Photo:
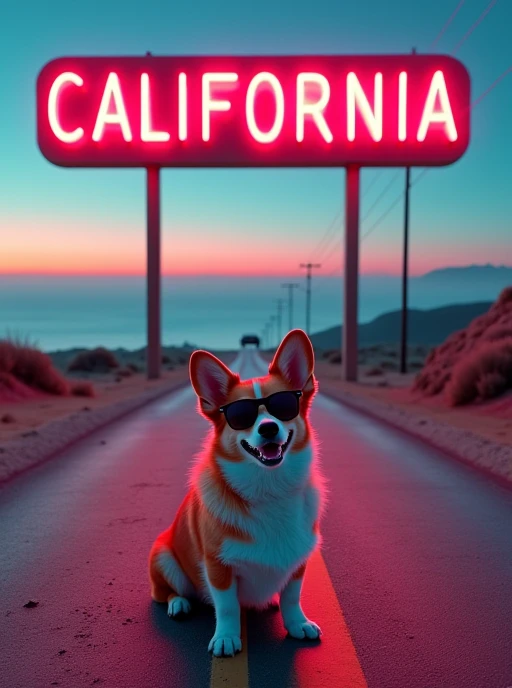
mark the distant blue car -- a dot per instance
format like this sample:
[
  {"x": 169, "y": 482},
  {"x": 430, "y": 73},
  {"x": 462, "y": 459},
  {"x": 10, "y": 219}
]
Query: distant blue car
[{"x": 250, "y": 339}]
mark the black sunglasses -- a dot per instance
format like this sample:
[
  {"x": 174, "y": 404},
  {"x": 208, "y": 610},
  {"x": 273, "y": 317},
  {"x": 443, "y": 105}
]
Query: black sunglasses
[{"x": 242, "y": 414}]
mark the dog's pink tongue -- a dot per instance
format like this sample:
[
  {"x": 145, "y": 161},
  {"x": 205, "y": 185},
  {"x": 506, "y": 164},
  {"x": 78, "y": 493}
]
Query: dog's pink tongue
[{"x": 271, "y": 450}]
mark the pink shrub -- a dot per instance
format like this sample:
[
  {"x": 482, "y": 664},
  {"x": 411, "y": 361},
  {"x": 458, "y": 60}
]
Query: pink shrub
[
  {"x": 23, "y": 366},
  {"x": 32, "y": 367},
  {"x": 82, "y": 389},
  {"x": 99, "y": 360},
  {"x": 473, "y": 363},
  {"x": 484, "y": 374}
]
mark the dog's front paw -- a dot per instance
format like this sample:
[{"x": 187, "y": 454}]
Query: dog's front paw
[
  {"x": 225, "y": 645},
  {"x": 304, "y": 629},
  {"x": 178, "y": 605}
]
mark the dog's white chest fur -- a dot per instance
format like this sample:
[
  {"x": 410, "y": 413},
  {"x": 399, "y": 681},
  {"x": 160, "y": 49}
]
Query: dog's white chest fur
[{"x": 283, "y": 538}]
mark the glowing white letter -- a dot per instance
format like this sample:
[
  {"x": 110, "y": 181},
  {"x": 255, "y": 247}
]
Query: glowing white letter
[
  {"x": 356, "y": 95},
  {"x": 316, "y": 110},
  {"x": 182, "y": 111},
  {"x": 275, "y": 130},
  {"x": 66, "y": 136},
  {"x": 146, "y": 133},
  {"x": 210, "y": 105},
  {"x": 112, "y": 90},
  {"x": 402, "y": 106},
  {"x": 437, "y": 86}
]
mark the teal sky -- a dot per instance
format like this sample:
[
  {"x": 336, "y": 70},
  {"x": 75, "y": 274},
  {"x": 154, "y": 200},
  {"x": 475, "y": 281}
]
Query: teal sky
[{"x": 259, "y": 221}]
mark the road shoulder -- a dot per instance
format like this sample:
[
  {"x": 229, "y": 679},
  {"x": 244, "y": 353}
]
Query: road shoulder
[{"x": 470, "y": 447}]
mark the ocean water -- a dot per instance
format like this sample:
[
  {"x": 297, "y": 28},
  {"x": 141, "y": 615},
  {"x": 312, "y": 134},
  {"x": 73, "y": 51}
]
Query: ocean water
[{"x": 208, "y": 312}]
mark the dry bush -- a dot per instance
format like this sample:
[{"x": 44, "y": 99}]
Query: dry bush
[
  {"x": 82, "y": 389},
  {"x": 505, "y": 298},
  {"x": 7, "y": 356},
  {"x": 99, "y": 360},
  {"x": 373, "y": 372},
  {"x": 491, "y": 385},
  {"x": 7, "y": 381},
  {"x": 335, "y": 357},
  {"x": 484, "y": 374},
  {"x": 31, "y": 367},
  {"x": 133, "y": 367},
  {"x": 498, "y": 331},
  {"x": 469, "y": 364},
  {"x": 125, "y": 372}
]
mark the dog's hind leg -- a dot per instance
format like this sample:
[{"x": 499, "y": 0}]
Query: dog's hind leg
[{"x": 168, "y": 582}]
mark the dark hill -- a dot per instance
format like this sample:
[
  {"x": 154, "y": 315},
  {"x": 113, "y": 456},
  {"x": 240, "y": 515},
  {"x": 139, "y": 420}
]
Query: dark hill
[
  {"x": 499, "y": 275},
  {"x": 427, "y": 327}
]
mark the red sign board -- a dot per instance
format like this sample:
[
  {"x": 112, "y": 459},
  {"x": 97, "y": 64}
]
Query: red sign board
[{"x": 300, "y": 111}]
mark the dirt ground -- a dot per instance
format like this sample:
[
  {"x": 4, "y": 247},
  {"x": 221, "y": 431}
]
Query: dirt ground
[
  {"x": 492, "y": 419},
  {"x": 23, "y": 416}
]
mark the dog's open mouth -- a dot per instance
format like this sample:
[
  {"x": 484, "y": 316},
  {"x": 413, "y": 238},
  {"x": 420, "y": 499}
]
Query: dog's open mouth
[{"x": 271, "y": 453}]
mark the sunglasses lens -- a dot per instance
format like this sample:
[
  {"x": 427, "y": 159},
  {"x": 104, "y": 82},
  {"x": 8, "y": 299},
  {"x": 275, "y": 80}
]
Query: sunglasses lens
[
  {"x": 240, "y": 415},
  {"x": 283, "y": 405}
]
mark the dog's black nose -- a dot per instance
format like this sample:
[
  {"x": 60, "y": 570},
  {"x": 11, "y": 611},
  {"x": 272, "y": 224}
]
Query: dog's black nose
[{"x": 268, "y": 429}]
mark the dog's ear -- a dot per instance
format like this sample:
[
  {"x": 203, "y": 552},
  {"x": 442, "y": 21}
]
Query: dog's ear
[
  {"x": 211, "y": 379},
  {"x": 294, "y": 360}
]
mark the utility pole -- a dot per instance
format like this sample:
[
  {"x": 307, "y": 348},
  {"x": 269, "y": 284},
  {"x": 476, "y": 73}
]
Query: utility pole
[
  {"x": 291, "y": 286},
  {"x": 272, "y": 318},
  {"x": 309, "y": 267},
  {"x": 405, "y": 270},
  {"x": 278, "y": 318}
]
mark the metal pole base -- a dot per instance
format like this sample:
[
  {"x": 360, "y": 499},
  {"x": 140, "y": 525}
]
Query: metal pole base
[
  {"x": 153, "y": 356},
  {"x": 349, "y": 354}
]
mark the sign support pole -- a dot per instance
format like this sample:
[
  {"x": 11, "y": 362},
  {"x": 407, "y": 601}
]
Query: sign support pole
[
  {"x": 349, "y": 356},
  {"x": 153, "y": 356},
  {"x": 405, "y": 275}
]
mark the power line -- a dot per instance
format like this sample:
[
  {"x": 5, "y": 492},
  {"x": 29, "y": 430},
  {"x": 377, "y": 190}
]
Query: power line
[
  {"x": 382, "y": 217},
  {"x": 376, "y": 176},
  {"x": 309, "y": 267},
  {"x": 383, "y": 192},
  {"x": 290, "y": 286},
  {"x": 473, "y": 27},
  {"x": 429, "y": 169},
  {"x": 329, "y": 230},
  {"x": 491, "y": 87},
  {"x": 476, "y": 102},
  {"x": 379, "y": 172},
  {"x": 279, "y": 303},
  {"x": 325, "y": 255},
  {"x": 459, "y": 44},
  {"x": 425, "y": 171},
  {"x": 447, "y": 23}
]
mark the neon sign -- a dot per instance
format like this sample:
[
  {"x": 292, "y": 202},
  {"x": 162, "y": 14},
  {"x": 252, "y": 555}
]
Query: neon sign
[{"x": 317, "y": 111}]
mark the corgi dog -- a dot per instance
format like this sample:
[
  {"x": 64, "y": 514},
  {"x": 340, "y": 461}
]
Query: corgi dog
[{"x": 250, "y": 519}]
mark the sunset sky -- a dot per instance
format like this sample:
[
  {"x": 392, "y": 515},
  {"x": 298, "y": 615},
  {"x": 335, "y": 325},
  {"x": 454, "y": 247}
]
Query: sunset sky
[{"x": 258, "y": 222}]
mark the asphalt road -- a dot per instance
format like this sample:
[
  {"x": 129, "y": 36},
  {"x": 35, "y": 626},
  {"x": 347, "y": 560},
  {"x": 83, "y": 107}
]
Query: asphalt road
[{"x": 418, "y": 549}]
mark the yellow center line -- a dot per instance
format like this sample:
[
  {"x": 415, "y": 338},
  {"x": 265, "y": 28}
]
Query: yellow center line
[
  {"x": 331, "y": 662},
  {"x": 232, "y": 672}
]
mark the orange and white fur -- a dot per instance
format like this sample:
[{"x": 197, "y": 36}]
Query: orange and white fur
[{"x": 245, "y": 531}]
